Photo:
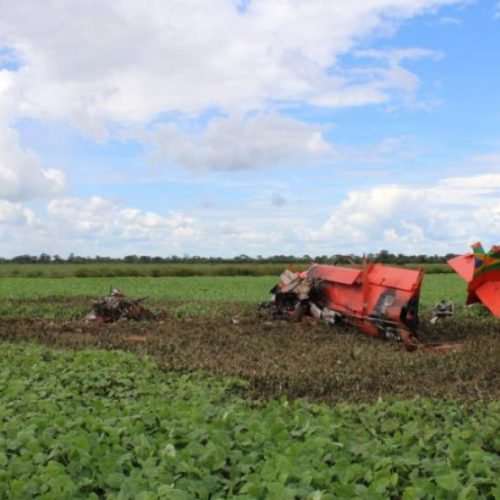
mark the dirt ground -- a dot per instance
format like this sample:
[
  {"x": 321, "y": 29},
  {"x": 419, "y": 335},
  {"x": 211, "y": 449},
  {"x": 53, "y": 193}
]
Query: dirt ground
[{"x": 322, "y": 363}]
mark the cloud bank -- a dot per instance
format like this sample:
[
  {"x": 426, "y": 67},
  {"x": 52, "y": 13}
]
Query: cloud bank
[
  {"x": 436, "y": 219},
  {"x": 218, "y": 86},
  {"x": 127, "y": 61}
]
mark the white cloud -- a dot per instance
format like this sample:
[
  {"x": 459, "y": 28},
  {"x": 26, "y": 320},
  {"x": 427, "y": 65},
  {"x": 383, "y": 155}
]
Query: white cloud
[
  {"x": 236, "y": 143},
  {"x": 176, "y": 227},
  {"x": 375, "y": 84},
  {"x": 94, "y": 216},
  {"x": 15, "y": 220},
  {"x": 127, "y": 61},
  {"x": 107, "y": 220},
  {"x": 262, "y": 140},
  {"x": 448, "y": 20},
  {"x": 113, "y": 65},
  {"x": 7, "y": 96},
  {"x": 413, "y": 219},
  {"x": 401, "y": 218},
  {"x": 15, "y": 214},
  {"x": 21, "y": 175}
]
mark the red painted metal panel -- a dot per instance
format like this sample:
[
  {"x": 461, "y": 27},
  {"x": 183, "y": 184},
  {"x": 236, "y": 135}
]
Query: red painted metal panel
[
  {"x": 336, "y": 274},
  {"x": 394, "y": 277},
  {"x": 371, "y": 296},
  {"x": 343, "y": 298}
]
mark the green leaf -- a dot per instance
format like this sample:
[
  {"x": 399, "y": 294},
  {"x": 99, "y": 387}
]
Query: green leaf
[
  {"x": 449, "y": 482},
  {"x": 166, "y": 492},
  {"x": 469, "y": 492},
  {"x": 380, "y": 485},
  {"x": 252, "y": 489},
  {"x": 115, "y": 480},
  {"x": 413, "y": 493}
]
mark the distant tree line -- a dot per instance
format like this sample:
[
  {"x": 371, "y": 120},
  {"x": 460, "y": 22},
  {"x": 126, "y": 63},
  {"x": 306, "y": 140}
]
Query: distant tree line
[{"x": 384, "y": 256}]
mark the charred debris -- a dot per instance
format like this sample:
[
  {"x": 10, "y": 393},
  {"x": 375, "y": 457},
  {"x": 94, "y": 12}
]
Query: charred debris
[{"x": 116, "y": 307}]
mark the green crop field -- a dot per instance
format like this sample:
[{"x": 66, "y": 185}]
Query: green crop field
[
  {"x": 28, "y": 296},
  {"x": 134, "y": 270},
  {"x": 215, "y": 401},
  {"x": 106, "y": 424}
]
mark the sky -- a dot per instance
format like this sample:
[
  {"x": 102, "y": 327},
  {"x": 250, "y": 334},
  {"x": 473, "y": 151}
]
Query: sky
[{"x": 257, "y": 127}]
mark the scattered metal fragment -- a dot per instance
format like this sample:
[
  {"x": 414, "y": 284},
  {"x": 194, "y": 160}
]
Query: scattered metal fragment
[
  {"x": 443, "y": 309},
  {"x": 116, "y": 307}
]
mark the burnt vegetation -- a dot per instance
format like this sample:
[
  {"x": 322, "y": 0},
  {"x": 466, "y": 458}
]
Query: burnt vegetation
[{"x": 322, "y": 363}]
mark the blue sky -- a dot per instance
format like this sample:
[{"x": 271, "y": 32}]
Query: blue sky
[{"x": 263, "y": 127}]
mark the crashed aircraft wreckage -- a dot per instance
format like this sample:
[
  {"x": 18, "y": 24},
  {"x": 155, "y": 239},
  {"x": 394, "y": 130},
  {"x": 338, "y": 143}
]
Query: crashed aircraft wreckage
[
  {"x": 116, "y": 306},
  {"x": 481, "y": 270},
  {"x": 381, "y": 301}
]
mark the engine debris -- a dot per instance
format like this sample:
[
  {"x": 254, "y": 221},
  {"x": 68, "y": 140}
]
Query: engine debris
[
  {"x": 116, "y": 306},
  {"x": 443, "y": 309}
]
